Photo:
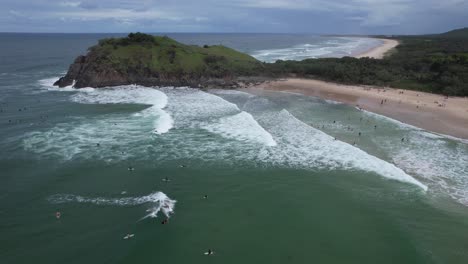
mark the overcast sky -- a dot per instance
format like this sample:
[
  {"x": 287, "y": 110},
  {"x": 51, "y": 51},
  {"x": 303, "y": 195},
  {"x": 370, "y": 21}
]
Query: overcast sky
[{"x": 289, "y": 16}]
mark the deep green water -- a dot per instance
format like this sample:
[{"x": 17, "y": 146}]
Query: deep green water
[{"x": 280, "y": 188}]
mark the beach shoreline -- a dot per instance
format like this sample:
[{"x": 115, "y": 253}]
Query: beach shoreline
[
  {"x": 380, "y": 51},
  {"x": 432, "y": 112}
]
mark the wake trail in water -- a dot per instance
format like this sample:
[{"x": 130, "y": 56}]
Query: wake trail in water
[{"x": 158, "y": 201}]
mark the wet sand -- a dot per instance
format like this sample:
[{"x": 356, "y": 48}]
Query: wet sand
[{"x": 432, "y": 112}]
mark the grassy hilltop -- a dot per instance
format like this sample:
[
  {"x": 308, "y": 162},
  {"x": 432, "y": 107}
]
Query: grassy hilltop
[
  {"x": 163, "y": 54},
  {"x": 154, "y": 60}
]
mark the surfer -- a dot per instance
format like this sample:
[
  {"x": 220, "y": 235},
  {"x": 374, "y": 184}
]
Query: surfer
[
  {"x": 130, "y": 168},
  {"x": 359, "y": 134},
  {"x": 209, "y": 252},
  {"x": 165, "y": 221},
  {"x": 58, "y": 215},
  {"x": 205, "y": 196},
  {"x": 402, "y": 139},
  {"x": 166, "y": 179}
]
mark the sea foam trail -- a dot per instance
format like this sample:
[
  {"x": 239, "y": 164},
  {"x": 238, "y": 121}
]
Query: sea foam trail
[
  {"x": 132, "y": 94},
  {"x": 297, "y": 144},
  {"x": 127, "y": 94},
  {"x": 303, "y": 144},
  {"x": 159, "y": 202},
  {"x": 216, "y": 115},
  {"x": 439, "y": 161},
  {"x": 241, "y": 127},
  {"x": 111, "y": 136}
]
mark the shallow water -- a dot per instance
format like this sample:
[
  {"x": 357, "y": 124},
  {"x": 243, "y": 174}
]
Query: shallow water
[{"x": 288, "y": 178}]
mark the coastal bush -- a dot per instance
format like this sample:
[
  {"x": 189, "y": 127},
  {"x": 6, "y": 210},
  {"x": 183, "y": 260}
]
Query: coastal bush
[{"x": 430, "y": 64}]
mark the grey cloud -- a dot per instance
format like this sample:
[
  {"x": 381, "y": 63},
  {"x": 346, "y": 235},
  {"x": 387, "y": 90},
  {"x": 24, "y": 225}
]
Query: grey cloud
[{"x": 332, "y": 16}]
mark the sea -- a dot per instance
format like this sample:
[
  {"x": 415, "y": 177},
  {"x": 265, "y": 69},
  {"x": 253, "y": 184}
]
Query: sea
[{"x": 136, "y": 174}]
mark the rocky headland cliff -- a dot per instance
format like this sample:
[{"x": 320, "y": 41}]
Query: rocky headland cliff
[{"x": 160, "y": 61}]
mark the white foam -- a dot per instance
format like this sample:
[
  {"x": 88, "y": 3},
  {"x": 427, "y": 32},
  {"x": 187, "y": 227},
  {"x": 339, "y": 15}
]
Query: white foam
[
  {"x": 332, "y": 102},
  {"x": 192, "y": 106},
  {"x": 414, "y": 128},
  {"x": 303, "y": 145},
  {"x": 241, "y": 127},
  {"x": 337, "y": 47},
  {"x": 132, "y": 94},
  {"x": 260, "y": 124},
  {"x": 48, "y": 84},
  {"x": 440, "y": 162},
  {"x": 109, "y": 137},
  {"x": 391, "y": 120},
  {"x": 159, "y": 202}
]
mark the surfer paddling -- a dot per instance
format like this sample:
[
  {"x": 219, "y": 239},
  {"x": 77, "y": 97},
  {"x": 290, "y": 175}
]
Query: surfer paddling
[{"x": 209, "y": 252}]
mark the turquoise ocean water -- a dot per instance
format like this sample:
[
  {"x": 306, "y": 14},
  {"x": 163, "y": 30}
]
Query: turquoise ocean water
[{"x": 258, "y": 177}]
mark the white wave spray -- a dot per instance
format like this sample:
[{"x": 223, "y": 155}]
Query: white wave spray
[{"x": 158, "y": 201}]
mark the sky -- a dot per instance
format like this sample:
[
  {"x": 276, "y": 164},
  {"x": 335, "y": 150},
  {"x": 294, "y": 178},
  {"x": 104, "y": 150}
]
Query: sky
[{"x": 243, "y": 16}]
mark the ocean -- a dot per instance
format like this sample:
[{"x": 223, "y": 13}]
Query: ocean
[{"x": 255, "y": 176}]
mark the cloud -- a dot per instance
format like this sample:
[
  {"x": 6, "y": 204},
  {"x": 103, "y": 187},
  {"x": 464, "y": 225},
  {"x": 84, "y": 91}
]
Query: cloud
[
  {"x": 70, "y": 4},
  {"x": 325, "y": 16}
]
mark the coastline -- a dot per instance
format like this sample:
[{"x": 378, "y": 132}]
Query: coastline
[
  {"x": 379, "y": 51},
  {"x": 432, "y": 112}
]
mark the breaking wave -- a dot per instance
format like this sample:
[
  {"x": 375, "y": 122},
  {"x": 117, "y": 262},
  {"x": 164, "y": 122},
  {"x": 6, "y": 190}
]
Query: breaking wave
[
  {"x": 158, "y": 201},
  {"x": 337, "y": 47}
]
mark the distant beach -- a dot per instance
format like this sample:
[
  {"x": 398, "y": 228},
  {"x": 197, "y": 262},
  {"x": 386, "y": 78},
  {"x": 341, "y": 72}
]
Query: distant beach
[
  {"x": 379, "y": 51},
  {"x": 437, "y": 113}
]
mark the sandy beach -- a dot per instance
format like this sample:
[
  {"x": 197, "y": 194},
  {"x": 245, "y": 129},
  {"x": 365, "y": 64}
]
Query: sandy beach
[
  {"x": 432, "y": 112},
  {"x": 437, "y": 113},
  {"x": 379, "y": 51}
]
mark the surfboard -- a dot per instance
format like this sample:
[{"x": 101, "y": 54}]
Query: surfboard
[{"x": 129, "y": 236}]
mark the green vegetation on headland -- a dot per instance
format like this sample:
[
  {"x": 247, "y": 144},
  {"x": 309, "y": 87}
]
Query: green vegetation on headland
[
  {"x": 430, "y": 63},
  {"x": 154, "y": 60}
]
